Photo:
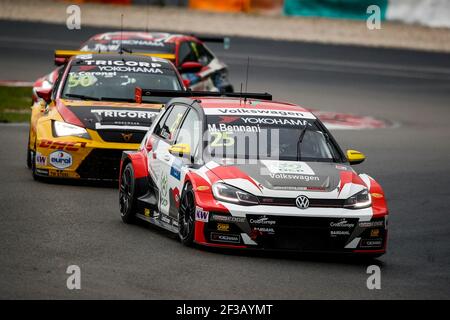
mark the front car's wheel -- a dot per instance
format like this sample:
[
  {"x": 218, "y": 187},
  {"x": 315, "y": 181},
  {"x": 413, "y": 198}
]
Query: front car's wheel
[
  {"x": 186, "y": 216},
  {"x": 127, "y": 197},
  {"x": 29, "y": 164}
]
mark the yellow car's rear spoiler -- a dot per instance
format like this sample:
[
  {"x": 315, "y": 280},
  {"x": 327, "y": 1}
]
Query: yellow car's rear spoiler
[{"x": 61, "y": 56}]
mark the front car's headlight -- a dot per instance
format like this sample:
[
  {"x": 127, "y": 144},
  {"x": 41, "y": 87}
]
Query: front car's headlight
[
  {"x": 227, "y": 193},
  {"x": 359, "y": 200},
  {"x": 63, "y": 129}
]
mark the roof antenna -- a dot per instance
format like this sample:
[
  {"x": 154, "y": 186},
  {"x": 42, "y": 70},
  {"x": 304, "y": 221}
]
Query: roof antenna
[
  {"x": 121, "y": 34},
  {"x": 246, "y": 80},
  {"x": 240, "y": 95}
]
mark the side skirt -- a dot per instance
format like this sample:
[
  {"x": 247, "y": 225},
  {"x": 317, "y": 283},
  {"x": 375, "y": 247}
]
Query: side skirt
[{"x": 162, "y": 221}]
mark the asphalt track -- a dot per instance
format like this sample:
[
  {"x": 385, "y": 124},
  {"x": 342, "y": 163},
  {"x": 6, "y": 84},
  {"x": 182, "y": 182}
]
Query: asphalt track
[{"x": 46, "y": 227}]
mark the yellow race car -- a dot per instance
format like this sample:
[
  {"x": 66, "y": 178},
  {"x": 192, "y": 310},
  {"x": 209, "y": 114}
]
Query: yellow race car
[{"x": 79, "y": 128}]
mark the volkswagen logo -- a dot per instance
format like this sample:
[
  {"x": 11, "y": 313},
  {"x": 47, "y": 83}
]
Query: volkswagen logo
[{"x": 302, "y": 202}]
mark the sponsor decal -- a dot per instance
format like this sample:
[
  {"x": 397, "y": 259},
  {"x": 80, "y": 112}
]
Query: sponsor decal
[
  {"x": 229, "y": 219},
  {"x": 175, "y": 172},
  {"x": 147, "y": 212},
  {"x": 371, "y": 243},
  {"x": 125, "y": 66},
  {"x": 339, "y": 167},
  {"x": 129, "y": 63},
  {"x": 343, "y": 223},
  {"x": 60, "y": 159},
  {"x": 164, "y": 190},
  {"x": 135, "y": 42},
  {"x": 287, "y": 167},
  {"x": 85, "y": 56},
  {"x": 176, "y": 196},
  {"x": 370, "y": 224},
  {"x": 42, "y": 172},
  {"x": 374, "y": 233},
  {"x": 201, "y": 215},
  {"x": 231, "y": 238},
  {"x": 222, "y": 127},
  {"x": 129, "y": 69},
  {"x": 165, "y": 219},
  {"x": 263, "y": 220},
  {"x": 133, "y": 114},
  {"x": 223, "y": 227},
  {"x": 258, "y": 112},
  {"x": 337, "y": 233},
  {"x": 265, "y": 230},
  {"x": 62, "y": 145},
  {"x": 285, "y": 176},
  {"x": 41, "y": 160},
  {"x": 275, "y": 121},
  {"x": 58, "y": 174}
]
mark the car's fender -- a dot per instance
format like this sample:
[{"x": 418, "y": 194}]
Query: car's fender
[{"x": 379, "y": 205}]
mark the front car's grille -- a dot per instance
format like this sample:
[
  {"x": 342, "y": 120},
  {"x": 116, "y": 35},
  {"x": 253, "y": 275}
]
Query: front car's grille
[
  {"x": 122, "y": 136},
  {"x": 102, "y": 164},
  {"x": 302, "y": 233},
  {"x": 290, "y": 202}
]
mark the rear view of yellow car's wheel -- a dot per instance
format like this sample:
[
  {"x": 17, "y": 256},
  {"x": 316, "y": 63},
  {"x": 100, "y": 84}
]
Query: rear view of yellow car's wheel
[{"x": 28, "y": 154}]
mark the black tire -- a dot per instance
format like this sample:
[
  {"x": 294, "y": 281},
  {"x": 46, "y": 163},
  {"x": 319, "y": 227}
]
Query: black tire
[
  {"x": 186, "y": 216},
  {"x": 127, "y": 198},
  {"x": 33, "y": 165},
  {"x": 28, "y": 154}
]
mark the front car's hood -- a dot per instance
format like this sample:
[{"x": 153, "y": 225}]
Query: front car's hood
[
  {"x": 290, "y": 178},
  {"x": 104, "y": 115}
]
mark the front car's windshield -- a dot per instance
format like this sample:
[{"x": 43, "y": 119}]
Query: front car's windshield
[
  {"x": 117, "y": 79},
  {"x": 288, "y": 136}
]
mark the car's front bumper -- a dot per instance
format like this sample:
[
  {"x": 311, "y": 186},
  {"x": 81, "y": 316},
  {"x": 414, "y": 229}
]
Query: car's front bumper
[{"x": 295, "y": 233}]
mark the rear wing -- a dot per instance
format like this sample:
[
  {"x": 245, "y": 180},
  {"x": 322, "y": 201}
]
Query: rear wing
[
  {"x": 62, "y": 56},
  {"x": 140, "y": 93}
]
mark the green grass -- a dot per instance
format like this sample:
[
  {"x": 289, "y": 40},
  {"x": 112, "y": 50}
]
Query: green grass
[{"x": 15, "y": 103}]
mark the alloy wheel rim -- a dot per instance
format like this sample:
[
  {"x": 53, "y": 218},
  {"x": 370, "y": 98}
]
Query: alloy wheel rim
[
  {"x": 125, "y": 192},
  {"x": 187, "y": 209}
]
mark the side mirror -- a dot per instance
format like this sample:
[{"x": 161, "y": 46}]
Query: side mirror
[
  {"x": 182, "y": 150},
  {"x": 186, "y": 83},
  {"x": 45, "y": 94},
  {"x": 149, "y": 145},
  {"x": 191, "y": 67},
  {"x": 355, "y": 157},
  {"x": 60, "y": 61}
]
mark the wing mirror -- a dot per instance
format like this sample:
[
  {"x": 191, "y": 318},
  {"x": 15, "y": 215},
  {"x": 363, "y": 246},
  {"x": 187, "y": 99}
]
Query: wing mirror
[
  {"x": 60, "y": 61},
  {"x": 149, "y": 145},
  {"x": 45, "y": 94},
  {"x": 186, "y": 82},
  {"x": 182, "y": 150},
  {"x": 355, "y": 157},
  {"x": 191, "y": 67}
]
